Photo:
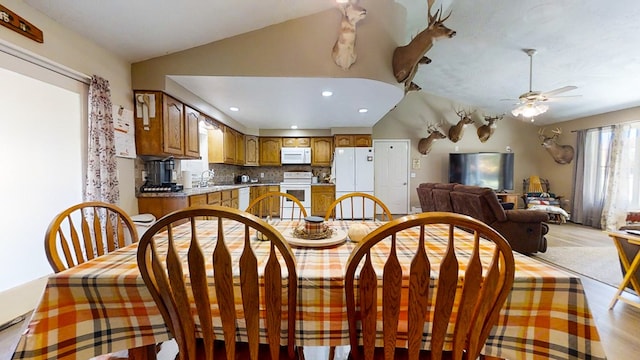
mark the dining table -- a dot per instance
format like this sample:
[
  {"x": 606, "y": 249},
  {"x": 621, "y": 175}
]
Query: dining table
[{"x": 103, "y": 305}]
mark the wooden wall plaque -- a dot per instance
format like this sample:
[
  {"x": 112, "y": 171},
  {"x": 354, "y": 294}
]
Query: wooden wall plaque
[{"x": 18, "y": 24}]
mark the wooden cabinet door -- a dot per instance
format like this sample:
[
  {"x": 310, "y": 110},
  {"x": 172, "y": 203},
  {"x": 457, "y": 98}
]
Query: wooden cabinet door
[
  {"x": 270, "y": 150},
  {"x": 362, "y": 140},
  {"x": 214, "y": 198},
  {"x": 296, "y": 142},
  {"x": 229, "y": 145},
  {"x": 275, "y": 201},
  {"x": 161, "y": 206},
  {"x": 321, "y": 151},
  {"x": 215, "y": 142},
  {"x": 240, "y": 149},
  {"x": 226, "y": 198},
  {"x": 173, "y": 125},
  {"x": 148, "y": 132},
  {"x": 234, "y": 198},
  {"x": 321, "y": 198},
  {"x": 252, "y": 150},
  {"x": 191, "y": 132},
  {"x": 343, "y": 140}
]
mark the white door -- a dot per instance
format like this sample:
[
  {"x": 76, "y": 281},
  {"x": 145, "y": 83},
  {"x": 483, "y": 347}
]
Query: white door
[{"x": 392, "y": 174}]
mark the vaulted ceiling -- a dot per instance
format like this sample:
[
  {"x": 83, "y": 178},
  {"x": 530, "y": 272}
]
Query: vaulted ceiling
[{"x": 589, "y": 44}]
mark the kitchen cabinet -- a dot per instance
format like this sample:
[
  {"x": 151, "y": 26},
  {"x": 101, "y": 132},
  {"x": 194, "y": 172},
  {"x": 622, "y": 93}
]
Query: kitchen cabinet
[
  {"x": 230, "y": 198},
  {"x": 214, "y": 198},
  {"x": 192, "y": 132},
  {"x": 270, "y": 151},
  {"x": 322, "y": 196},
  {"x": 230, "y": 149},
  {"x": 296, "y": 142},
  {"x": 321, "y": 151},
  {"x": 252, "y": 150},
  {"x": 358, "y": 140},
  {"x": 223, "y": 145},
  {"x": 257, "y": 191},
  {"x": 160, "y": 126},
  {"x": 240, "y": 148},
  {"x": 161, "y": 206}
]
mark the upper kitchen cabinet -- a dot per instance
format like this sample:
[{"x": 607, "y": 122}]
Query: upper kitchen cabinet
[
  {"x": 321, "y": 151},
  {"x": 230, "y": 146},
  {"x": 161, "y": 128},
  {"x": 240, "y": 149},
  {"x": 359, "y": 140},
  {"x": 252, "y": 150},
  {"x": 224, "y": 147},
  {"x": 296, "y": 142},
  {"x": 191, "y": 132},
  {"x": 270, "y": 151}
]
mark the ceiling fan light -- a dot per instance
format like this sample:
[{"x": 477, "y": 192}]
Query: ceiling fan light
[{"x": 530, "y": 109}]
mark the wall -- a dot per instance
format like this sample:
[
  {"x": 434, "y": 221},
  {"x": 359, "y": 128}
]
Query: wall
[
  {"x": 72, "y": 51},
  {"x": 410, "y": 118}
]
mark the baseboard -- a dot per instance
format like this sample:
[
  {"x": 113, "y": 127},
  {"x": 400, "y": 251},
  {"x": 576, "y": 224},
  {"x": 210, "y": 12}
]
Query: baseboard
[{"x": 21, "y": 299}]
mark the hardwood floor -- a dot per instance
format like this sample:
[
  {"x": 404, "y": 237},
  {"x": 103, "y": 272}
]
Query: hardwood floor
[{"x": 618, "y": 328}]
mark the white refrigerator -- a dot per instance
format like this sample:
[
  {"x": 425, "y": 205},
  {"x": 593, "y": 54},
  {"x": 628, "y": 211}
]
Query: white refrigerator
[{"x": 353, "y": 171}]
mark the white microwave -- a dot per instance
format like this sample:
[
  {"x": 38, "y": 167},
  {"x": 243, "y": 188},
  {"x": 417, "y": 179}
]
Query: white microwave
[{"x": 298, "y": 155}]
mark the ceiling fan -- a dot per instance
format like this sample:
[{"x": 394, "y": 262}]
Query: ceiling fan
[{"x": 531, "y": 103}]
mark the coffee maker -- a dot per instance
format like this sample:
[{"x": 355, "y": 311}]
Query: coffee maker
[{"x": 159, "y": 176}]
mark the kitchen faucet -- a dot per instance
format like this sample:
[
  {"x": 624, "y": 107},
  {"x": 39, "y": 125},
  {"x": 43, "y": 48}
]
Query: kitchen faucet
[{"x": 205, "y": 182}]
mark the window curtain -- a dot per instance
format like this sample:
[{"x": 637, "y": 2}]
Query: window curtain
[
  {"x": 102, "y": 180},
  {"x": 624, "y": 176},
  {"x": 591, "y": 175}
]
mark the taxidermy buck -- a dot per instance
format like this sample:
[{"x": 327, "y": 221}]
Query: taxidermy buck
[
  {"x": 485, "y": 131},
  {"x": 406, "y": 58},
  {"x": 457, "y": 130},
  {"x": 562, "y": 154},
  {"x": 424, "y": 146},
  {"x": 344, "y": 50}
]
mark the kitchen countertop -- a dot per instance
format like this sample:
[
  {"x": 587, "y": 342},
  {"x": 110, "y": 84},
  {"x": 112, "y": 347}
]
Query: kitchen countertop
[{"x": 201, "y": 190}]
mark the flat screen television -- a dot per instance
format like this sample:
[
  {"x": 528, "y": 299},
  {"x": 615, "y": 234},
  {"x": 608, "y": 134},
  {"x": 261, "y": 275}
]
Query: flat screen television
[{"x": 486, "y": 169}]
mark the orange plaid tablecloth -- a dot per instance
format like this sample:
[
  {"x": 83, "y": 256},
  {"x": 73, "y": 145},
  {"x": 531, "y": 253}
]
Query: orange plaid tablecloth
[{"x": 103, "y": 306}]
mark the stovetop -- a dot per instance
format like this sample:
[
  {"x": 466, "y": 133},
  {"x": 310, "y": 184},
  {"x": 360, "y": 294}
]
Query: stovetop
[
  {"x": 172, "y": 187},
  {"x": 297, "y": 177}
]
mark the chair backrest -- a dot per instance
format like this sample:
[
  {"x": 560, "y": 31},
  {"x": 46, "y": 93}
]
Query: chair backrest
[
  {"x": 273, "y": 204},
  {"x": 85, "y": 231},
  {"x": 358, "y": 206},
  {"x": 476, "y": 301},
  {"x": 233, "y": 249}
]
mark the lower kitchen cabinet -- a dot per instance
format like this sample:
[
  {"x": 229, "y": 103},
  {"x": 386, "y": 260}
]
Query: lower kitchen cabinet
[
  {"x": 161, "y": 206},
  {"x": 321, "y": 198}
]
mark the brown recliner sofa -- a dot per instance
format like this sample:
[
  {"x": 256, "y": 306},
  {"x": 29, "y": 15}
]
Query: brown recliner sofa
[{"x": 523, "y": 229}]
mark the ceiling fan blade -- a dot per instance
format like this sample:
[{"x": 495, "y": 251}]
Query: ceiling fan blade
[
  {"x": 559, "y": 91},
  {"x": 563, "y": 97}
]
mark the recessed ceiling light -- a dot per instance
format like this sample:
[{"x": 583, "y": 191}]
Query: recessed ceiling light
[
  {"x": 327, "y": 93},
  {"x": 363, "y": 110},
  {"x": 233, "y": 108},
  {"x": 294, "y": 126}
]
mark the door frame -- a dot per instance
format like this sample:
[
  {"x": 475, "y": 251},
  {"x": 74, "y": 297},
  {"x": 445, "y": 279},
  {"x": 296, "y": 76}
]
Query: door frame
[{"x": 407, "y": 159}]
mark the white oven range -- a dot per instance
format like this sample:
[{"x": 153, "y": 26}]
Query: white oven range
[{"x": 297, "y": 184}]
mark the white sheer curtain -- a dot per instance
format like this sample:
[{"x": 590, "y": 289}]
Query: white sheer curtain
[
  {"x": 622, "y": 191},
  {"x": 607, "y": 175}
]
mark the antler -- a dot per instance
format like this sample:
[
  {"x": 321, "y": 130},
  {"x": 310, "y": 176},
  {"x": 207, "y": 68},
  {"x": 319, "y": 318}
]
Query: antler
[{"x": 557, "y": 131}]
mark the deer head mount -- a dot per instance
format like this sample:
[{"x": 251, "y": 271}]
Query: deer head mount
[
  {"x": 562, "y": 154},
  {"x": 406, "y": 58},
  {"x": 457, "y": 130},
  {"x": 344, "y": 50},
  {"x": 485, "y": 131},
  {"x": 424, "y": 146}
]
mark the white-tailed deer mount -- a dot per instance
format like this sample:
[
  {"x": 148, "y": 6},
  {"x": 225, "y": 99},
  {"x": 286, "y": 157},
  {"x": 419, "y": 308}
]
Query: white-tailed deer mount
[
  {"x": 562, "y": 154},
  {"x": 485, "y": 131},
  {"x": 424, "y": 146},
  {"x": 344, "y": 50},
  {"x": 406, "y": 58},
  {"x": 457, "y": 130}
]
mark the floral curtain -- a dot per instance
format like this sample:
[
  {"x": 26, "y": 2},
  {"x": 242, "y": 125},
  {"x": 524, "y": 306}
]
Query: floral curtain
[{"x": 102, "y": 180}]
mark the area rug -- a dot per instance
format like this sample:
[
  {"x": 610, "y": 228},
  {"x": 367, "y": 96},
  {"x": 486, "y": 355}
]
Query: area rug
[{"x": 598, "y": 263}]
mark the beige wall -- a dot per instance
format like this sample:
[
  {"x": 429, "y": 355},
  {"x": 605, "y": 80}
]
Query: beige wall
[{"x": 71, "y": 50}]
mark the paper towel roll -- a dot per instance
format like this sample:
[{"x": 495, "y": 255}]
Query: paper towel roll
[{"x": 187, "y": 181}]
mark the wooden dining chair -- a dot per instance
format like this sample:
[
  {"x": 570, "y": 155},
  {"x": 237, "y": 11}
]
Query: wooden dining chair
[
  {"x": 464, "y": 304},
  {"x": 274, "y": 204},
  {"x": 228, "y": 283},
  {"x": 85, "y": 231},
  {"x": 356, "y": 206}
]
